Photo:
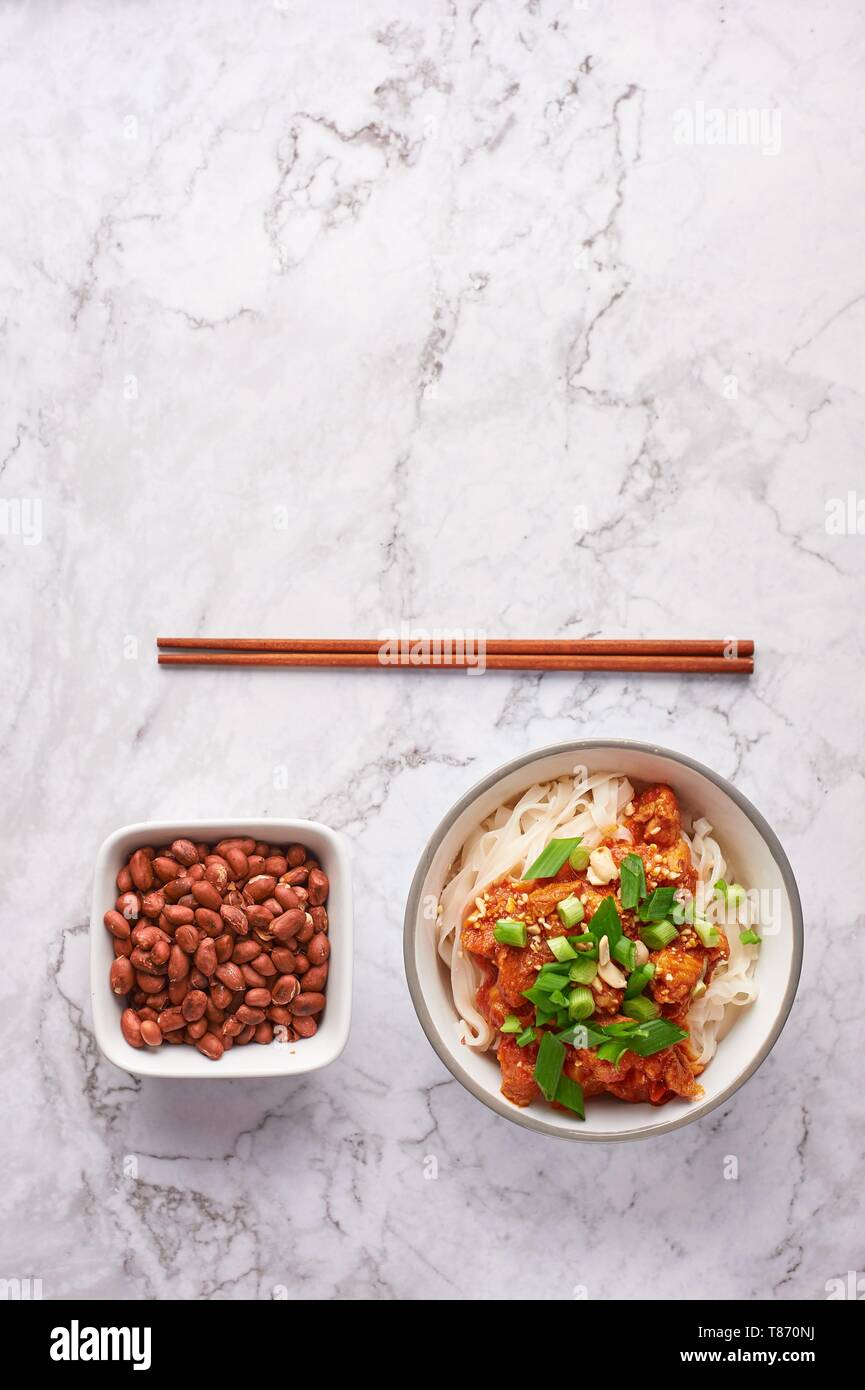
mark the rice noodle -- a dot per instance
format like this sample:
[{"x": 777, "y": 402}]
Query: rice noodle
[{"x": 590, "y": 806}]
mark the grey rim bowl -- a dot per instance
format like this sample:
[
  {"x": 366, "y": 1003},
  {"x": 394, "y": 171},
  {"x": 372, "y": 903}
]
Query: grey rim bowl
[{"x": 527, "y": 1117}]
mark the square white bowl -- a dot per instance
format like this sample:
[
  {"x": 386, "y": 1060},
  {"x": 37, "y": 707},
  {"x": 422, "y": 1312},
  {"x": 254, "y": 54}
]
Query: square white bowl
[{"x": 254, "y": 1060}]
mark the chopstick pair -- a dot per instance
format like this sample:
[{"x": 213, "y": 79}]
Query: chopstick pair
[{"x": 405, "y": 653}]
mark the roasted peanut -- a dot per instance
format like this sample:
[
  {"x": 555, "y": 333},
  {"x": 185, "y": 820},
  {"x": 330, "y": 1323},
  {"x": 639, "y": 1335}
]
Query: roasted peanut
[
  {"x": 318, "y": 887},
  {"x": 131, "y": 1027},
  {"x": 184, "y": 852},
  {"x": 151, "y": 1033},
  {"x": 283, "y": 959},
  {"x": 217, "y": 947},
  {"x": 288, "y": 925},
  {"x": 170, "y": 1020},
  {"x": 205, "y": 956},
  {"x": 206, "y": 895},
  {"x": 230, "y": 976},
  {"x": 122, "y": 975},
  {"x": 245, "y": 951},
  {"x": 318, "y": 949},
  {"x": 285, "y": 989},
  {"x": 248, "y": 1015},
  {"x": 117, "y": 924},
  {"x": 263, "y": 964},
  {"x": 314, "y": 979},
  {"x": 221, "y": 995},
  {"x": 187, "y": 938},
  {"x": 259, "y": 888},
  {"x": 178, "y": 963},
  {"x": 307, "y": 1003},
  {"x": 128, "y": 905},
  {"x": 210, "y": 1045},
  {"x": 194, "y": 1005}
]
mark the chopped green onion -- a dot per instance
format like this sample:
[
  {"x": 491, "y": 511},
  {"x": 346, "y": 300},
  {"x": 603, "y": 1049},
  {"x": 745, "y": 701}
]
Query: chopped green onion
[
  {"x": 657, "y": 936},
  {"x": 551, "y": 977},
  {"x": 579, "y": 858},
  {"x": 732, "y": 893},
  {"x": 640, "y": 1008},
  {"x": 571, "y": 911},
  {"x": 511, "y": 1025},
  {"x": 706, "y": 932},
  {"x": 548, "y": 1067},
  {"x": 633, "y": 881},
  {"x": 658, "y": 906},
  {"x": 551, "y": 859},
  {"x": 606, "y": 922},
  {"x": 558, "y": 999},
  {"x": 750, "y": 938},
  {"x": 537, "y": 996},
  {"x": 570, "y": 1094},
  {"x": 510, "y": 933},
  {"x": 561, "y": 948},
  {"x": 581, "y": 1003},
  {"x": 581, "y": 1035},
  {"x": 612, "y": 1052},
  {"x": 681, "y": 913},
  {"x": 582, "y": 972},
  {"x": 525, "y": 1038},
  {"x": 586, "y": 945},
  {"x": 625, "y": 952},
  {"x": 654, "y": 1036},
  {"x": 638, "y": 980}
]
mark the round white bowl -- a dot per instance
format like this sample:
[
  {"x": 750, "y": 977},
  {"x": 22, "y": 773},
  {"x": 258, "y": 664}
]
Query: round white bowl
[
  {"x": 274, "y": 1059},
  {"x": 748, "y": 843}
]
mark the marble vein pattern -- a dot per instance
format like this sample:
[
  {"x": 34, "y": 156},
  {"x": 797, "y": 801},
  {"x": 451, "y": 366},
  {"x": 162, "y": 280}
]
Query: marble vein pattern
[{"x": 315, "y": 319}]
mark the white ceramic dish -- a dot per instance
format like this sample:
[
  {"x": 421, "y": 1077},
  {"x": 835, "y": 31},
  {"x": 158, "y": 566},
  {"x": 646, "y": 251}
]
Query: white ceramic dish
[
  {"x": 274, "y": 1059},
  {"x": 749, "y": 844}
]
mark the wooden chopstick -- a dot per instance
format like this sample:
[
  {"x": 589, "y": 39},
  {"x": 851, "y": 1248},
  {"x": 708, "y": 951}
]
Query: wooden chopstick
[
  {"x": 494, "y": 646},
  {"x": 511, "y": 661}
]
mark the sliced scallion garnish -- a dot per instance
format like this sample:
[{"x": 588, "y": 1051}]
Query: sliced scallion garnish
[
  {"x": 561, "y": 947},
  {"x": 583, "y": 971},
  {"x": 579, "y": 858},
  {"x": 750, "y": 938},
  {"x": 509, "y": 932},
  {"x": 707, "y": 933},
  {"x": 625, "y": 952},
  {"x": 551, "y": 859},
  {"x": 633, "y": 881},
  {"x": 658, "y": 935},
  {"x": 525, "y": 1038},
  {"x": 511, "y": 1025},
  {"x": 645, "y": 1039},
  {"x": 640, "y": 1008},
  {"x": 638, "y": 980},
  {"x": 549, "y": 1063},
  {"x": 606, "y": 922},
  {"x": 571, "y": 911},
  {"x": 657, "y": 907},
  {"x": 581, "y": 1003},
  {"x": 612, "y": 1052},
  {"x": 570, "y": 1094}
]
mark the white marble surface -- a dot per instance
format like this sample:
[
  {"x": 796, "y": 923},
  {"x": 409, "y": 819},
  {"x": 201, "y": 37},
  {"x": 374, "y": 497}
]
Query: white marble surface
[{"x": 316, "y": 318}]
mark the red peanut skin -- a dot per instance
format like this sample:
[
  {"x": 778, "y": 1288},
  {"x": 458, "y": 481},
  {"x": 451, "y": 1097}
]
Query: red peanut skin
[{"x": 219, "y": 947}]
